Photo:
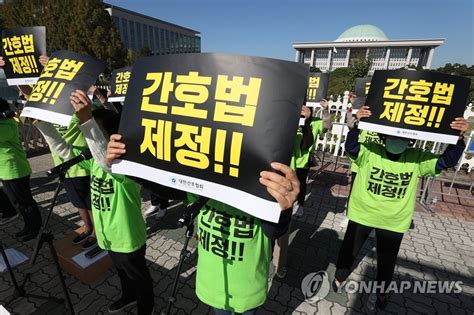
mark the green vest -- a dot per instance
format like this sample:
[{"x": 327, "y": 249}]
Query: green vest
[
  {"x": 366, "y": 137},
  {"x": 72, "y": 135},
  {"x": 13, "y": 161},
  {"x": 384, "y": 192},
  {"x": 116, "y": 210},
  {"x": 300, "y": 158},
  {"x": 233, "y": 258}
]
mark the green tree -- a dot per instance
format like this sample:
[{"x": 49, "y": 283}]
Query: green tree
[
  {"x": 81, "y": 26},
  {"x": 461, "y": 70}
]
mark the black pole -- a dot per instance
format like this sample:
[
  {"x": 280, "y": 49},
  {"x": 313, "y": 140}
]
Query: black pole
[
  {"x": 45, "y": 224},
  {"x": 46, "y": 236},
  {"x": 187, "y": 220},
  {"x": 18, "y": 291}
]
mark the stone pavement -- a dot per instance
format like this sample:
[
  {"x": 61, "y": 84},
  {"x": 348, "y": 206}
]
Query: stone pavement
[{"x": 439, "y": 247}]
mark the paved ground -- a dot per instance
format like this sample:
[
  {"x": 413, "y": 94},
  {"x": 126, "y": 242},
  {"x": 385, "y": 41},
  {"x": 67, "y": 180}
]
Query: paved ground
[{"x": 439, "y": 247}]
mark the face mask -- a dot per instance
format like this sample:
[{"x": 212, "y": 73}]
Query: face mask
[{"x": 396, "y": 146}]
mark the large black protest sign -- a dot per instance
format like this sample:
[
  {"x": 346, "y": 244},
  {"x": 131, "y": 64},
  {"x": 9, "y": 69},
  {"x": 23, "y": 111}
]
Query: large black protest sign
[
  {"x": 361, "y": 89},
  {"x": 21, "y": 49},
  {"x": 65, "y": 72},
  {"x": 317, "y": 88},
  {"x": 210, "y": 123},
  {"x": 416, "y": 104},
  {"x": 119, "y": 84}
]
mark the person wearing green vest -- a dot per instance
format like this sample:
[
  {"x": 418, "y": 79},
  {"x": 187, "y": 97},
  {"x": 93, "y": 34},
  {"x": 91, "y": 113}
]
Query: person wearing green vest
[
  {"x": 77, "y": 182},
  {"x": 304, "y": 146},
  {"x": 15, "y": 173},
  {"x": 116, "y": 204},
  {"x": 77, "y": 179},
  {"x": 235, "y": 248},
  {"x": 305, "y": 142},
  {"x": 383, "y": 198}
]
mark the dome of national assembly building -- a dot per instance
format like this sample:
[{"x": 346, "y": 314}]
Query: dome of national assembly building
[{"x": 361, "y": 33}]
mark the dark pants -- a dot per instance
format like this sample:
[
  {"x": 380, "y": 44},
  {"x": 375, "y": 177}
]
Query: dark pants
[
  {"x": 388, "y": 244},
  {"x": 156, "y": 200},
  {"x": 19, "y": 192},
  {"x": 302, "y": 174},
  {"x": 135, "y": 279},
  {"x": 222, "y": 312}
]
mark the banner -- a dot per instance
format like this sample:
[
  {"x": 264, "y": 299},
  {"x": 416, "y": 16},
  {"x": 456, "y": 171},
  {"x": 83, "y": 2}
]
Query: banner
[
  {"x": 65, "y": 72},
  {"x": 361, "y": 90},
  {"x": 21, "y": 49},
  {"x": 119, "y": 84},
  {"x": 210, "y": 123},
  {"x": 416, "y": 104},
  {"x": 317, "y": 88}
]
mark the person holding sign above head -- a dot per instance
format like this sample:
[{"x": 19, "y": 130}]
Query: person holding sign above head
[
  {"x": 304, "y": 146},
  {"x": 77, "y": 181},
  {"x": 236, "y": 284},
  {"x": 116, "y": 205},
  {"x": 15, "y": 173},
  {"x": 383, "y": 198}
]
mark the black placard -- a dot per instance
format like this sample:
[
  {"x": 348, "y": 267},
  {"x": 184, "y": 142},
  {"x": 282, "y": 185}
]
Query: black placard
[
  {"x": 416, "y": 104},
  {"x": 65, "y": 72},
  {"x": 210, "y": 123},
  {"x": 21, "y": 49}
]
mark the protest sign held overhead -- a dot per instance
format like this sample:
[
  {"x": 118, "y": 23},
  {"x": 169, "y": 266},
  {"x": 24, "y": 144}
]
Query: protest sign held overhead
[
  {"x": 361, "y": 89},
  {"x": 416, "y": 104},
  {"x": 317, "y": 88},
  {"x": 21, "y": 49},
  {"x": 65, "y": 72},
  {"x": 210, "y": 123},
  {"x": 119, "y": 84}
]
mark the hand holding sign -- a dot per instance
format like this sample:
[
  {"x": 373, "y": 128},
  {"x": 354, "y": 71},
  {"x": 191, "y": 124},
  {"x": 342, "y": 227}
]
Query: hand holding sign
[
  {"x": 82, "y": 105},
  {"x": 363, "y": 112},
  {"x": 284, "y": 189},
  {"x": 460, "y": 124}
]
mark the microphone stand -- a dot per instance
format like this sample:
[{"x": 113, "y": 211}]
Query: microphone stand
[
  {"x": 187, "y": 219},
  {"x": 45, "y": 236}
]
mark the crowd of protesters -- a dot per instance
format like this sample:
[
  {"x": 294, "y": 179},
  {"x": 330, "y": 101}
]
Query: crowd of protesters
[{"x": 228, "y": 286}]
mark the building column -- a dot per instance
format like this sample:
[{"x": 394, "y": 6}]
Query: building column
[
  {"x": 329, "y": 61},
  {"x": 346, "y": 62},
  {"x": 430, "y": 58},
  {"x": 410, "y": 52},
  {"x": 311, "y": 63},
  {"x": 298, "y": 56},
  {"x": 387, "y": 58}
]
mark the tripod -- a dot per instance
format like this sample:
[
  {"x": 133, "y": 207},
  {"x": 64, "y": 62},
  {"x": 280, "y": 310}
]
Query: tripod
[
  {"x": 45, "y": 236},
  {"x": 187, "y": 220}
]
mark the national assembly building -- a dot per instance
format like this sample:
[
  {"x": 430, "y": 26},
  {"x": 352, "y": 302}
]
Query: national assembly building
[{"x": 370, "y": 43}]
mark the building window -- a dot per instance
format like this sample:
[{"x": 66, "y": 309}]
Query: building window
[
  {"x": 157, "y": 40},
  {"x": 139, "y": 36},
  {"x": 167, "y": 41},
  {"x": 125, "y": 33},
  {"x": 150, "y": 39},
  {"x": 145, "y": 36},
  {"x": 133, "y": 39}
]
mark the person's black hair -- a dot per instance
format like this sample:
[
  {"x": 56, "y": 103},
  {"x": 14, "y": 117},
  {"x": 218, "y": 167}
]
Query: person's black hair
[
  {"x": 108, "y": 119},
  {"x": 4, "y": 105}
]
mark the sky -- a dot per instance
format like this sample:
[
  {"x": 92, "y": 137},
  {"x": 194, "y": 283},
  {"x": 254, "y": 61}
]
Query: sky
[{"x": 268, "y": 27}]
